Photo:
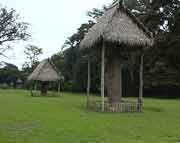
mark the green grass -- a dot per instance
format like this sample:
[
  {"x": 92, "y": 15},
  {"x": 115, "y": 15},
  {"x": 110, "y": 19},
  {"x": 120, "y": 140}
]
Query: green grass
[{"x": 26, "y": 119}]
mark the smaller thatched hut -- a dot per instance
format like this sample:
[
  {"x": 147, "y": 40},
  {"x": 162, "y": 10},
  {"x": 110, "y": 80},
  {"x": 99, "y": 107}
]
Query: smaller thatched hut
[{"x": 44, "y": 73}]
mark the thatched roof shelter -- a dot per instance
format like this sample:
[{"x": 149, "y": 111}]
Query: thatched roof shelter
[
  {"x": 120, "y": 26},
  {"x": 45, "y": 71},
  {"x": 117, "y": 31}
]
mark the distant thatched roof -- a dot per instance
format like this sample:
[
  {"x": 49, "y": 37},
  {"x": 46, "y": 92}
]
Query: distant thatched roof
[
  {"x": 118, "y": 25},
  {"x": 45, "y": 71}
]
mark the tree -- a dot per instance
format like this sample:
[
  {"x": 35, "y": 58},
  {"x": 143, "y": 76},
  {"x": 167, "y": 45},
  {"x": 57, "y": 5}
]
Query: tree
[
  {"x": 32, "y": 52},
  {"x": 161, "y": 18},
  {"x": 170, "y": 44},
  {"x": 9, "y": 74},
  {"x": 11, "y": 28},
  {"x": 96, "y": 13}
]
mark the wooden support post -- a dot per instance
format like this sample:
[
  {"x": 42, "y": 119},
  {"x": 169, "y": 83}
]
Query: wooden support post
[
  {"x": 31, "y": 89},
  {"x": 35, "y": 86},
  {"x": 59, "y": 88},
  {"x": 140, "y": 100},
  {"x": 88, "y": 80},
  {"x": 34, "y": 90},
  {"x": 121, "y": 88},
  {"x": 102, "y": 74}
]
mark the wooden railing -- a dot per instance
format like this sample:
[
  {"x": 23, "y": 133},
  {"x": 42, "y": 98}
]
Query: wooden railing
[
  {"x": 49, "y": 94},
  {"x": 122, "y": 107}
]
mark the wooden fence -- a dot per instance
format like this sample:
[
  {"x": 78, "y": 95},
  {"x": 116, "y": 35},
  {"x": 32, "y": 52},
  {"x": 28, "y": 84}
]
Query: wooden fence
[
  {"x": 122, "y": 107},
  {"x": 49, "y": 94}
]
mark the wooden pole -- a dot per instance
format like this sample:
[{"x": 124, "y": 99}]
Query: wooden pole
[
  {"x": 35, "y": 86},
  {"x": 121, "y": 88},
  {"x": 140, "y": 100},
  {"x": 31, "y": 89},
  {"x": 88, "y": 80},
  {"x": 102, "y": 74},
  {"x": 35, "y": 89},
  {"x": 59, "y": 87}
]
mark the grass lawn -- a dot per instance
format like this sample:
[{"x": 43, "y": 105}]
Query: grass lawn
[{"x": 25, "y": 119}]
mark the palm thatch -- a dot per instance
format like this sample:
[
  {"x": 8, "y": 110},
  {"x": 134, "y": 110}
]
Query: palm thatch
[
  {"x": 45, "y": 71},
  {"x": 118, "y": 25}
]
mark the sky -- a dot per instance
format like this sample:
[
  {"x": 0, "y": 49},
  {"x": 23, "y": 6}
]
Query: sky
[{"x": 51, "y": 22}]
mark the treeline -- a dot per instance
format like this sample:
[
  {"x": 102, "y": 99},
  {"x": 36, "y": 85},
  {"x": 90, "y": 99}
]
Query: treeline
[
  {"x": 162, "y": 68},
  {"x": 9, "y": 75}
]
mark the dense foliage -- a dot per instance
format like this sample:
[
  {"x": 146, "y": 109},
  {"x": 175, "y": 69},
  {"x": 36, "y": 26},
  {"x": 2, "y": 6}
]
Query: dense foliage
[
  {"x": 162, "y": 68},
  {"x": 161, "y": 17},
  {"x": 9, "y": 75}
]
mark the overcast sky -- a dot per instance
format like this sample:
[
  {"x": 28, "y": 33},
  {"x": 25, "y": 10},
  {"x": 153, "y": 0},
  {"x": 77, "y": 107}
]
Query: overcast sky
[{"x": 52, "y": 21}]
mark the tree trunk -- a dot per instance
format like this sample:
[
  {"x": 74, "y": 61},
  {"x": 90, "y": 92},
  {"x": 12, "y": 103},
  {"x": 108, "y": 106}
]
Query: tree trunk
[
  {"x": 114, "y": 78},
  {"x": 44, "y": 88}
]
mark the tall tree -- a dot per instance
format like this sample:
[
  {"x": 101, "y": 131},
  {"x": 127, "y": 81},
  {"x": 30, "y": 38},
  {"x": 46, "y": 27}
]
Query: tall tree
[
  {"x": 161, "y": 17},
  {"x": 11, "y": 28},
  {"x": 32, "y": 53}
]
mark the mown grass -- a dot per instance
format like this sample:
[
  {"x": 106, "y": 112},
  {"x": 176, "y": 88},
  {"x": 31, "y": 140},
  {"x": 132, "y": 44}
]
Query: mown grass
[{"x": 26, "y": 119}]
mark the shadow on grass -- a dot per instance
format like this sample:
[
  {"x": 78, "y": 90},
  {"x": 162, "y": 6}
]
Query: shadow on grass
[
  {"x": 45, "y": 96},
  {"x": 154, "y": 109}
]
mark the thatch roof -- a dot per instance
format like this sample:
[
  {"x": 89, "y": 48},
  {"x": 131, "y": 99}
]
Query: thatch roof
[
  {"x": 118, "y": 25},
  {"x": 45, "y": 71}
]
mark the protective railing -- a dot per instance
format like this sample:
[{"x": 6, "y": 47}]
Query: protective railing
[
  {"x": 124, "y": 106},
  {"x": 49, "y": 94}
]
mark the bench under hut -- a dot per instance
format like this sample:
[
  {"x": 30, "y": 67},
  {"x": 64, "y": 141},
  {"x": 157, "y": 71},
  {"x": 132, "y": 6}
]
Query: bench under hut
[
  {"x": 44, "y": 74},
  {"x": 116, "y": 35}
]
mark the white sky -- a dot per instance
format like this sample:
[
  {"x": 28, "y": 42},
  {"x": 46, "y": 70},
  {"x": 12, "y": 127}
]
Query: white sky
[{"x": 52, "y": 21}]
